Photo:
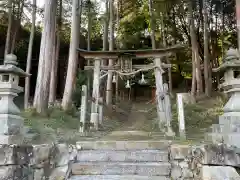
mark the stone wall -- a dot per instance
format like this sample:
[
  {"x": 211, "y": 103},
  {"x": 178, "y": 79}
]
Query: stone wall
[
  {"x": 207, "y": 162},
  {"x": 36, "y": 162},
  {"x": 42, "y": 162}
]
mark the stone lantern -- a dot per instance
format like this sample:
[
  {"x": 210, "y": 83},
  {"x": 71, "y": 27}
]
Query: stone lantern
[
  {"x": 11, "y": 123},
  {"x": 228, "y": 129}
]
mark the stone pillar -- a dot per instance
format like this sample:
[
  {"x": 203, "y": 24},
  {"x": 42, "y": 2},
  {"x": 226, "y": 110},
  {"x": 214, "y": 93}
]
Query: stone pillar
[
  {"x": 168, "y": 110},
  {"x": 181, "y": 119},
  {"x": 100, "y": 110},
  {"x": 160, "y": 93},
  {"x": 83, "y": 112},
  {"x": 11, "y": 123},
  {"x": 95, "y": 94}
]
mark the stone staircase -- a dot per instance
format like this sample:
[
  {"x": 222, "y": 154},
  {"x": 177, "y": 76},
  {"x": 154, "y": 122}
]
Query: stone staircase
[{"x": 118, "y": 160}]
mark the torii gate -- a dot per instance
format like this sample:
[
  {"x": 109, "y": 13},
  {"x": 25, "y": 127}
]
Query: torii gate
[{"x": 156, "y": 54}]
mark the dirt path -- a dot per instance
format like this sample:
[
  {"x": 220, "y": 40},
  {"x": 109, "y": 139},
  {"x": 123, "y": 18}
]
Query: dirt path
[
  {"x": 137, "y": 118},
  {"x": 137, "y": 126}
]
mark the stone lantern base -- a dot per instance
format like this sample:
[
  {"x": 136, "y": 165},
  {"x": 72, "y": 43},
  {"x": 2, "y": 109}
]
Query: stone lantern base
[
  {"x": 11, "y": 129},
  {"x": 227, "y": 131},
  {"x": 11, "y": 139},
  {"x": 230, "y": 118}
]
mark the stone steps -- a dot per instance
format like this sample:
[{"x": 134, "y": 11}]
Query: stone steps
[
  {"x": 123, "y": 156},
  {"x": 122, "y": 168},
  {"x": 117, "y": 177},
  {"x": 129, "y": 160},
  {"x": 123, "y": 145}
]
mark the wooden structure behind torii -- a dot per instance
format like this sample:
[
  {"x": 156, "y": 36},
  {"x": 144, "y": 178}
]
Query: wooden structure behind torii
[{"x": 156, "y": 54}]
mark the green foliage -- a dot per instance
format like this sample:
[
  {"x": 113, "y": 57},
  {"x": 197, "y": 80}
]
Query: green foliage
[
  {"x": 200, "y": 116},
  {"x": 56, "y": 126}
]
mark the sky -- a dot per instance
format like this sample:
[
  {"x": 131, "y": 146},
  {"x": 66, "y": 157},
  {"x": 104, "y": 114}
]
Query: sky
[{"x": 40, "y": 3}]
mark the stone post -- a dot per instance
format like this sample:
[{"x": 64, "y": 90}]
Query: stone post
[
  {"x": 181, "y": 119},
  {"x": 100, "y": 110},
  {"x": 95, "y": 94},
  {"x": 160, "y": 93},
  {"x": 83, "y": 109},
  {"x": 11, "y": 123},
  {"x": 168, "y": 111}
]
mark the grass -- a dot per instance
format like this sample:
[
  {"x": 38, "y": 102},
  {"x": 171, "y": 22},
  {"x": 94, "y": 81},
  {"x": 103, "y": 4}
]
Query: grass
[
  {"x": 200, "y": 116},
  {"x": 57, "y": 125},
  {"x": 60, "y": 126}
]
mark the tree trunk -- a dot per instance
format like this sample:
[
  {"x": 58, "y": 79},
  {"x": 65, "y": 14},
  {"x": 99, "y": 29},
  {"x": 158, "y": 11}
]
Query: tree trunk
[
  {"x": 51, "y": 99},
  {"x": 152, "y": 25},
  {"x": 105, "y": 31},
  {"x": 53, "y": 82},
  {"x": 111, "y": 47},
  {"x": 29, "y": 56},
  {"x": 10, "y": 18},
  {"x": 238, "y": 21},
  {"x": 105, "y": 46},
  {"x": 17, "y": 25},
  {"x": 160, "y": 96},
  {"x": 89, "y": 45},
  {"x": 168, "y": 61},
  {"x": 45, "y": 57},
  {"x": 193, "y": 88},
  {"x": 196, "y": 61},
  {"x": 206, "y": 50},
  {"x": 73, "y": 55},
  {"x": 89, "y": 29}
]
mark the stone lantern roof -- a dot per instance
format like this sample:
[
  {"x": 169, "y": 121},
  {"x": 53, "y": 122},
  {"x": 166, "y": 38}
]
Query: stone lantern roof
[
  {"x": 10, "y": 66},
  {"x": 231, "y": 60}
]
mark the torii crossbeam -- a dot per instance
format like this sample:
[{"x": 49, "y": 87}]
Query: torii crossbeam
[{"x": 146, "y": 53}]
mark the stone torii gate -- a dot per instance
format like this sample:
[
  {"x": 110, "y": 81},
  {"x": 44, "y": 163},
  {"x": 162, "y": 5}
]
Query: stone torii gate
[{"x": 125, "y": 67}]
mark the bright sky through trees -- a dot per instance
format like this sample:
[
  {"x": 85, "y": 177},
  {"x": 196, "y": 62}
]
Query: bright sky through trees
[{"x": 40, "y": 3}]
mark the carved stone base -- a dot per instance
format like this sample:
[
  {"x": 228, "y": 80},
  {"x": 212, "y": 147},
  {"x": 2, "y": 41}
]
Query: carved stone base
[
  {"x": 230, "y": 118},
  {"x": 94, "y": 120},
  {"x": 227, "y": 131},
  {"x": 11, "y": 139},
  {"x": 231, "y": 139},
  {"x": 10, "y": 124},
  {"x": 225, "y": 128}
]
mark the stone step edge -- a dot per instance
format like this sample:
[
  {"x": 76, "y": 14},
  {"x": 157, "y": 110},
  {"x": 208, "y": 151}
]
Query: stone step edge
[
  {"x": 123, "y": 163},
  {"x": 122, "y": 150},
  {"x": 117, "y": 177},
  {"x": 101, "y": 168},
  {"x": 123, "y": 145},
  {"x": 123, "y": 155},
  {"x": 131, "y": 141}
]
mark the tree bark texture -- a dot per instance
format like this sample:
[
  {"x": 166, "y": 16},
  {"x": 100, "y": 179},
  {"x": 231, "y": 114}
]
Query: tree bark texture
[
  {"x": 73, "y": 55},
  {"x": 10, "y": 19},
  {"x": 111, "y": 47},
  {"x": 29, "y": 56},
  {"x": 45, "y": 57},
  {"x": 206, "y": 50},
  {"x": 196, "y": 61},
  {"x": 53, "y": 82}
]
